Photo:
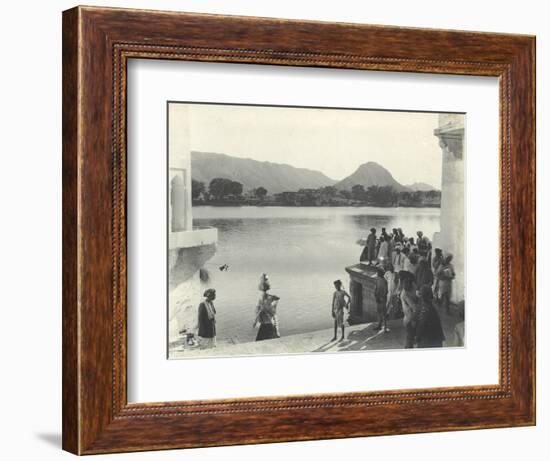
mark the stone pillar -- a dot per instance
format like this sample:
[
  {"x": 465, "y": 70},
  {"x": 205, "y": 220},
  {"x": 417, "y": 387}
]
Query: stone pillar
[
  {"x": 179, "y": 155},
  {"x": 188, "y": 248},
  {"x": 451, "y": 236},
  {"x": 178, "y": 204}
]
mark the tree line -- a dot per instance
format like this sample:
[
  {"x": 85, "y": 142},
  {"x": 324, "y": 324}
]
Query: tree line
[
  {"x": 388, "y": 196},
  {"x": 229, "y": 191},
  {"x": 221, "y": 189}
]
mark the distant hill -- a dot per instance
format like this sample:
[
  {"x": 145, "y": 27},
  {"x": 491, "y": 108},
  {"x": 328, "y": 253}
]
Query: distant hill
[
  {"x": 421, "y": 186},
  {"x": 275, "y": 177},
  {"x": 371, "y": 174}
]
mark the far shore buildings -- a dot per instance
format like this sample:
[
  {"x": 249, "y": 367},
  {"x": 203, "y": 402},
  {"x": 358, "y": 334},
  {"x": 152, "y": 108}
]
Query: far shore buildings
[
  {"x": 188, "y": 247},
  {"x": 450, "y": 238}
]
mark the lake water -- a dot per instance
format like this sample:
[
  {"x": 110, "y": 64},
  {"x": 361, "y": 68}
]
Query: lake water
[{"x": 302, "y": 249}]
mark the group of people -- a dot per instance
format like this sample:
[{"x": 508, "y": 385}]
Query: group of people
[
  {"x": 396, "y": 253},
  {"x": 421, "y": 320},
  {"x": 409, "y": 280}
]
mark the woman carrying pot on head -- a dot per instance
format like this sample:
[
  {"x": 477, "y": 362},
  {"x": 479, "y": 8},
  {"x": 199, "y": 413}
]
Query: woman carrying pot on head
[{"x": 266, "y": 312}]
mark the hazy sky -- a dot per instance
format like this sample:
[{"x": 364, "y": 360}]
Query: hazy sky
[{"x": 333, "y": 141}]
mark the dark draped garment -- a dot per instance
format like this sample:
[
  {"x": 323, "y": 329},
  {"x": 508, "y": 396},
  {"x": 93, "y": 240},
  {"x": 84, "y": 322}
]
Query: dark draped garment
[
  {"x": 429, "y": 332},
  {"x": 207, "y": 326}
]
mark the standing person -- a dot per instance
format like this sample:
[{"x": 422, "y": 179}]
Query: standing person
[
  {"x": 338, "y": 304},
  {"x": 424, "y": 245},
  {"x": 401, "y": 235},
  {"x": 391, "y": 248},
  {"x": 398, "y": 261},
  {"x": 429, "y": 332},
  {"x": 437, "y": 260},
  {"x": 411, "y": 263},
  {"x": 405, "y": 252},
  {"x": 207, "y": 320},
  {"x": 424, "y": 274},
  {"x": 445, "y": 275},
  {"x": 395, "y": 235},
  {"x": 266, "y": 312},
  {"x": 383, "y": 251},
  {"x": 369, "y": 252},
  {"x": 381, "y": 297},
  {"x": 393, "y": 285},
  {"x": 409, "y": 302}
]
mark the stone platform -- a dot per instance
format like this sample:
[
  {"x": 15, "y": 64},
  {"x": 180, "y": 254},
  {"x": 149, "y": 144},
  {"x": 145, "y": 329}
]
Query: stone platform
[{"x": 361, "y": 337}]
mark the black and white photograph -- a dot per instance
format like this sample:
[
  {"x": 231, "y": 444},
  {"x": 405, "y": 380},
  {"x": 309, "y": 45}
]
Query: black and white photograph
[
  {"x": 275, "y": 230},
  {"x": 295, "y": 230}
]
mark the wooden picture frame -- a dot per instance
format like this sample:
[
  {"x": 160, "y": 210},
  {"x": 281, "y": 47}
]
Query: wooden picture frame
[{"x": 97, "y": 44}]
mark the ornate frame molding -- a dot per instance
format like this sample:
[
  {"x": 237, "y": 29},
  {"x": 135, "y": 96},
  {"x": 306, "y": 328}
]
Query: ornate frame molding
[{"x": 98, "y": 43}]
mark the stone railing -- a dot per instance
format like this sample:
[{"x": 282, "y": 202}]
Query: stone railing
[{"x": 199, "y": 236}]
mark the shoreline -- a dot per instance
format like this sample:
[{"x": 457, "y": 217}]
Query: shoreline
[
  {"x": 264, "y": 205},
  {"x": 359, "y": 337}
]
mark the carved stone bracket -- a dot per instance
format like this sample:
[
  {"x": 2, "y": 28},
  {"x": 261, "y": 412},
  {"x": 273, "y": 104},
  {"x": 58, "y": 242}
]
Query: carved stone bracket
[
  {"x": 451, "y": 134},
  {"x": 451, "y": 140}
]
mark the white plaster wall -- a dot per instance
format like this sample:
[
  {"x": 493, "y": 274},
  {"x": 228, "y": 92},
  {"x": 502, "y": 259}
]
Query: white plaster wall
[
  {"x": 451, "y": 238},
  {"x": 183, "y": 301},
  {"x": 452, "y": 218},
  {"x": 179, "y": 154}
]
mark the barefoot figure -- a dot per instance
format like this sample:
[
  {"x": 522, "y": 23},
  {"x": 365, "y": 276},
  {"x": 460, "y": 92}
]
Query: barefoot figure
[
  {"x": 338, "y": 304},
  {"x": 369, "y": 252},
  {"x": 381, "y": 297}
]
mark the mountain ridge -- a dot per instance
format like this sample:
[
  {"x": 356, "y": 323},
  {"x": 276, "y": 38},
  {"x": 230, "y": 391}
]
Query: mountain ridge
[
  {"x": 371, "y": 174},
  {"x": 275, "y": 177},
  {"x": 421, "y": 186},
  {"x": 281, "y": 177}
]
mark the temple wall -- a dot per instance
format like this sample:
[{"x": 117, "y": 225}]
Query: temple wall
[
  {"x": 179, "y": 154},
  {"x": 451, "y": 238},
  {"x": 189, "y": 247},
  {"x": 183, "y": 301}
]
